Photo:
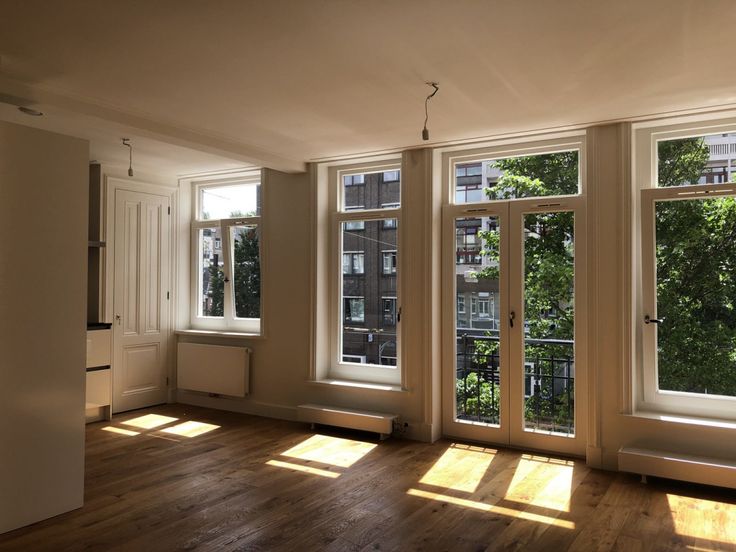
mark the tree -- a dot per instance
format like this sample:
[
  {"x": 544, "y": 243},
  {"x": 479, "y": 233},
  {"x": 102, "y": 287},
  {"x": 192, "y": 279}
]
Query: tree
[
  {"x": 246, "y": 274},
  {"x": 696, "y": 279},
  {"x": 548, "y": 279}
]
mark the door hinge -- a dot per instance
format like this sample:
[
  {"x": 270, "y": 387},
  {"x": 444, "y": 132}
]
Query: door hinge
[
  {"x": 167, "y": 295},
  {"x": 168, "y": 210},
  {"x": 167, "y": 381}
]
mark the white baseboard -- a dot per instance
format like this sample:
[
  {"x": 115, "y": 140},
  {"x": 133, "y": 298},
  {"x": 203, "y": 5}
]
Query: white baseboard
[{"x": 255, "y": 408}]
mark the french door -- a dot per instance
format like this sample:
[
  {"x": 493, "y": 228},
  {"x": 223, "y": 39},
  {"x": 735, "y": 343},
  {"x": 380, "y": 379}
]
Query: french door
[{"x": 514, "y": 323}]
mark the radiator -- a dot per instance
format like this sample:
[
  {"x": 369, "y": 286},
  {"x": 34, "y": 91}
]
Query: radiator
[
  {"x": 673, "y": 465},
  {"x": 213, "y": 369}
]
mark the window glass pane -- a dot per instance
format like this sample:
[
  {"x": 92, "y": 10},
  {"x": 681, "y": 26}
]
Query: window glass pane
[
  {"x": 246, "y": 271},
  {"x": 211, "y": 289},
  {"x": 478, "y": 371},
  {"x": 549, "y": 322},
  {"x": 699, "y": 160},
  {"x": 235, "y": 200},
  {"x": 547, "y": 174},
  {"x": 696, "y": 295},
  {"x": 368, "y": 320},
  {"x": 381, "y": 190}
]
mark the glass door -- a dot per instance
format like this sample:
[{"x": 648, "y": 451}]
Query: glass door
[
  {"x": 547, "y": 306},
  {"x": 514, "y": 291},
  {"x": 478, "y": 374}
]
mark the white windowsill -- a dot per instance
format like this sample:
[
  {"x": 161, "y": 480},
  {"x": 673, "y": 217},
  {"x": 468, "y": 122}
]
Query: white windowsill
[
  {"x": 687, "y": 420},
  {"x": 218, "y": 333},
  {"x": 360, "y": 385}
]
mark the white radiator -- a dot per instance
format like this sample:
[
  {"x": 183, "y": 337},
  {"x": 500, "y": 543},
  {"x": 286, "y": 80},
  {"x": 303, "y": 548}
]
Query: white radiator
[{"x": 213, "y": 369}]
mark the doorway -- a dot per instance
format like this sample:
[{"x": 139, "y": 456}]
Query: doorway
[{"x": 141, "y": 319}]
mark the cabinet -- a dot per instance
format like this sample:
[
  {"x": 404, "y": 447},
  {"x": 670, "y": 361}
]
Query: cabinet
[
  {"x": 99, "y": 380},
  {"x": 99, "y": 333}
]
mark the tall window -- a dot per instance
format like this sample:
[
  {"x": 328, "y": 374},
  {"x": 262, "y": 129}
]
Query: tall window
[
  {"x": 687, "y": 324},
  {"x": 226, "y": 247},
  {"x": 368, "y": 209}
]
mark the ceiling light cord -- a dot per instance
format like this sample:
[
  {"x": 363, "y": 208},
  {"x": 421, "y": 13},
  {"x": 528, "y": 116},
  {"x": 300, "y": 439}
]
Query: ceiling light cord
[
  {"x": 126, "y": 142},
  {"x": 425, "y": 132}
]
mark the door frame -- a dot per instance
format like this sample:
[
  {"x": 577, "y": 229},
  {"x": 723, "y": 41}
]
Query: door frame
[
  {"x": 586, "y": 403},
  {"x": 111, "y": 184}
]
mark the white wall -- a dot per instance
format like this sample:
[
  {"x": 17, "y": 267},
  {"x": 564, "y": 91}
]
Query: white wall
[{"x": 43, "y": 272}]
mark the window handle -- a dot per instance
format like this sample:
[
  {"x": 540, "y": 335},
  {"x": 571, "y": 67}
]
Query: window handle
[
  {"x": 512, "y": 315},
  {"x": 226, "y": 279},
  {"x": 649, "y": 320},
  {"x": 398, "y": 315}
]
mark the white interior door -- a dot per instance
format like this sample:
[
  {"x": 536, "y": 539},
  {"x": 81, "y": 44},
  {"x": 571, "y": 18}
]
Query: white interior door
[
  {"x": 515, "y": 324},
  {"x": 140, "y": 304}
]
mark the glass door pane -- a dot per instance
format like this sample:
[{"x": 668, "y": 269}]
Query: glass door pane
[
  {"x": 549, "y": 322},
  {"x": 477, "y": 314}
]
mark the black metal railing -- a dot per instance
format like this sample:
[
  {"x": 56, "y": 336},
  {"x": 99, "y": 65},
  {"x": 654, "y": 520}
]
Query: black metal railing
[{"x": 549, "y": 382}]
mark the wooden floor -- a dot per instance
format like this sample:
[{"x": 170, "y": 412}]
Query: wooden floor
[{"x": 259, "y": 484}]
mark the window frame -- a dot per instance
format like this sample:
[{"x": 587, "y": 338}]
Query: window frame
[
  {"x": 228, "y": 322},
  {"x": 339, "y": 369},
  {"x": 644, "y": 393}
]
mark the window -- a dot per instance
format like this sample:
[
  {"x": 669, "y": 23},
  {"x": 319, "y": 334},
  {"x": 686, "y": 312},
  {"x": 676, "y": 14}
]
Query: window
[
  {"x": 377, "y": 190},
  {"x": 365, "y": 308},
  {"x": 354, "y": 310},
  {"x": 389, "y": 311},
  {"x": 390, "y": 176},
  {"x": 460, "y": 304},
  {"x": 353, "y": 262},
  {"x": 355, "y": 225},
  {"x": 353, "y": 179},
  {"x": 687, "y": 291},
  {"x": 389, "y": 260},
  {"x": 226, "y": 242},
  {"x": 506, "y": 177}
]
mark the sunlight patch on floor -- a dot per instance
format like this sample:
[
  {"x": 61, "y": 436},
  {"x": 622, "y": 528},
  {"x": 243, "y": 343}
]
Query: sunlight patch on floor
[
  {"x": 304, "y": 469},
  {"x": 149, "y": 421},
  {"x": 120, "y": 431},
  {"x": 330, "y": 450},
  {"x": 460, "y": 468},
  {"x": 493, "y": 508},
  {"x": 703, "y": 519},
  {"x": 542, "y": 482},
  {"x": 190, "y": 429}
]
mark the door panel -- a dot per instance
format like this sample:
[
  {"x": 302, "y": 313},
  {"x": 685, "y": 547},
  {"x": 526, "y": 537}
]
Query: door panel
[{"x": 141, "y": 324}]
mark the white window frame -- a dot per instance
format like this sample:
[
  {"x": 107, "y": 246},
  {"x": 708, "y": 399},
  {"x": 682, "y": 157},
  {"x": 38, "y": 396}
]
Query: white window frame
[
  {"x": 339, "y": 369},
  {"x": 644, "y": 389},
  {"x": 228, "y": 322}
]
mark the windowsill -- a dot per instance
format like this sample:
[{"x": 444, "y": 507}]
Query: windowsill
[
  {"x": 686, "y": 420},
  {"x": 218, "y": 333},
  {"x": 360, "y": 385}
]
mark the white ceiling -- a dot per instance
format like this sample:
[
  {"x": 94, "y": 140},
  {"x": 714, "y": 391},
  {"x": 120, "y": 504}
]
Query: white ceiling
[{"x": 283, "y": 82}]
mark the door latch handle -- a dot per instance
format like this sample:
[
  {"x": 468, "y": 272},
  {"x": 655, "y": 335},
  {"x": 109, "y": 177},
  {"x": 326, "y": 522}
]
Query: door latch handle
[
  {"x": 118, "y": 319},
  {"x": 512, "y": 315},
  {"x": 649, "y": 320}
]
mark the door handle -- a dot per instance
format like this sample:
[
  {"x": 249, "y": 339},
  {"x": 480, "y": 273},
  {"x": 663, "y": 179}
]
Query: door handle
[
  {"x": 118, "y": 318},
  {"x": 649, "y": 320},
  {"x": 512, "y": 315}
]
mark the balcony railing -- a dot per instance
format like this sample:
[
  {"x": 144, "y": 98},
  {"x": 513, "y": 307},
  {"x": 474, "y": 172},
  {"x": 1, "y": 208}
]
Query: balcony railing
[{"x": 549, "y": 382}]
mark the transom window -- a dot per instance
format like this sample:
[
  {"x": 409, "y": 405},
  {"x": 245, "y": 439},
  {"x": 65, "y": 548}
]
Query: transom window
[
  {"x": 226, "y": 264},
  {"x": 509, "y": 177}
]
